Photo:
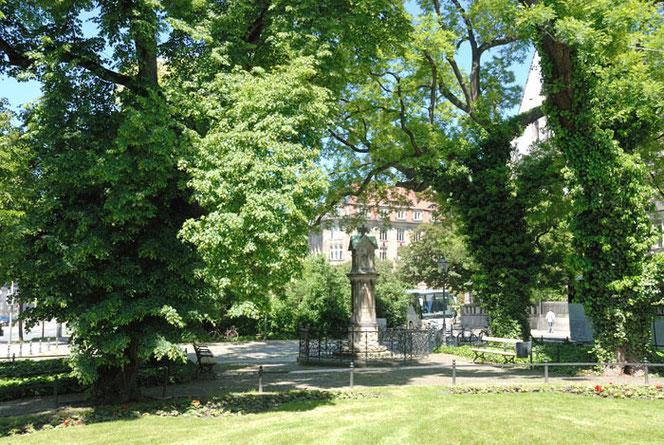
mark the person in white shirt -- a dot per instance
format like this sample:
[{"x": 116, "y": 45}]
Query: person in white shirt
[{"x": 550, "y": 318}]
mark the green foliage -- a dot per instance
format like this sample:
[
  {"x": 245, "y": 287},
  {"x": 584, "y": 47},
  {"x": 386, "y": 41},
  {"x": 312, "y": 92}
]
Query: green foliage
[
  {"x": 219, "y": 406},
  {"x": 391, "y": 299},
  {"x": 255, "y": 176},
  {"x": 31, "y": 378},
  {"x": 481, "y": 188},
  {"x": 319, "y": 299},
  {"x": 13, "y": 388},
  {"x": 610, "y": 391},
  {"x": 540, "y": 183},
  {"x": 16, "y": 189},
  {"x": 419, "y": 259},
  {"x": 174, "y": 176},
  {"x": 605, "y": 104},
  {"x": 551, "y": 352},
  {"x": 27, "y": 368},
  {"x": 420, "y": 118}
]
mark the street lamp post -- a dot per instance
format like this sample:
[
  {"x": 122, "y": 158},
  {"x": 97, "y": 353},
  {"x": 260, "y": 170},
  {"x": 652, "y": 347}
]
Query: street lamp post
[
  {"x": 12, "y": 291},
  {"x": 443, "y": 267}
]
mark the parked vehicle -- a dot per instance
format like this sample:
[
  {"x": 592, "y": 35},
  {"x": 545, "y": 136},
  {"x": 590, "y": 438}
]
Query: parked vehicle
[
  {"x": 433, "y": 307},
  {"x": 4, "y": 320}
]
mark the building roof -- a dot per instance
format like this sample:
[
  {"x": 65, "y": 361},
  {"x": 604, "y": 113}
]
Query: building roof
[{"x": 398, "y": 197}]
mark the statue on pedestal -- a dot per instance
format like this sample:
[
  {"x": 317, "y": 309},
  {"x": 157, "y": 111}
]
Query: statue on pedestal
[{"x": 364, "y": 328}]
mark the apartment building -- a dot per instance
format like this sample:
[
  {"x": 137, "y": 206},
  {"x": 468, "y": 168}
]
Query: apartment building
[{"x": 391, "y": 220}]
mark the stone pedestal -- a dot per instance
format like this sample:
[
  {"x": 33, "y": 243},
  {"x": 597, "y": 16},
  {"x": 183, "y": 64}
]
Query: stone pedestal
[{"x": 363, "y": 330}]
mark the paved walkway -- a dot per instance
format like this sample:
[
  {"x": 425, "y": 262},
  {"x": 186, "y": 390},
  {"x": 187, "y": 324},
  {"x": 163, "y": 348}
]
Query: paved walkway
[{"x": 237, "y": 371}]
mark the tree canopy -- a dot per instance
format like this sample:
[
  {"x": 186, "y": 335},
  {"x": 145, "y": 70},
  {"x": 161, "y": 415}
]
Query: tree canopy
[{"x": 181, "y": 151}]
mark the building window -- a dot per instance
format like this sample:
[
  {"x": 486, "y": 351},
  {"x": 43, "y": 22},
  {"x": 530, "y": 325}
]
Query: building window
[
  {"x": 383, "y": 253},
  {"x": 336, "y": 232},
  {"x": 401, "y": 234},
  {"x": 418, "y": 235},
  {"x": 401, "y": 214},
  {"x": 336, "y": 252},
  {"x": 383, "y": 234},
  {"x": 417, "y": 215}
]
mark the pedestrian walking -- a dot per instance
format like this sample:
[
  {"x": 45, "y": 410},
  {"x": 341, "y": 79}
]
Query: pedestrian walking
[{"x": 550, "y": 318}]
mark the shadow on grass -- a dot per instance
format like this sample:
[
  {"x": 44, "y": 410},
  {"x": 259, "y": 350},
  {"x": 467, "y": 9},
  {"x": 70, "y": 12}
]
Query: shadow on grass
[{"x": 221, "y": 406}]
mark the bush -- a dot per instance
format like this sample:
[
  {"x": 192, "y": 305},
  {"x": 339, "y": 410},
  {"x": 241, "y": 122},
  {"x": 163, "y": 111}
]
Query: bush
[
  {"x": 29, "y": 368},
  {"x": 28, "y": 378},
  {"x": 569, "y": 353}
]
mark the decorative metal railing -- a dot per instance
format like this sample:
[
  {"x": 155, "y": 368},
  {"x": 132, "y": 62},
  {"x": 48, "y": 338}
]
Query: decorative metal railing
[{"x": 367, "y": 345}]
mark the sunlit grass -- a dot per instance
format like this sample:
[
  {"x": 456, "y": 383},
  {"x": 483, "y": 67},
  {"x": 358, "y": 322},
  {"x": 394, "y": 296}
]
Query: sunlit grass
[{"x": 400, "y": 415}]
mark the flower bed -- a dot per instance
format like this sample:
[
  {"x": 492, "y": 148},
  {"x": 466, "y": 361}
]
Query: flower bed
[{"x": 610, "y": 391}]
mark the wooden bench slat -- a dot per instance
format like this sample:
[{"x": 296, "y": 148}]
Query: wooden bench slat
[
  {"x": 501, "y": 340},
  {"x": 494, "y": 351},
  {"x": 204, "y": 357}
]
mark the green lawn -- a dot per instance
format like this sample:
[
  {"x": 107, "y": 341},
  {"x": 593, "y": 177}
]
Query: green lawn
[{"x": 398, "y": 415}]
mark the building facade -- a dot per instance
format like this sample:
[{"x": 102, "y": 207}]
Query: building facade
[{"x": 392, "y": 221}]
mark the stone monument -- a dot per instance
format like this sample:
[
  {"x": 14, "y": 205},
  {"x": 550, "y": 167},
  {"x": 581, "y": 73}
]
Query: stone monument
[{"x": 364, "y": 328}]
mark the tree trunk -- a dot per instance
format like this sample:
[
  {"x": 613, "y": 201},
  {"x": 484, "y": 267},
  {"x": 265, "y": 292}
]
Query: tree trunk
[
  {"x": 116, "y": 384},
  {"x": 20, "y": 322}
]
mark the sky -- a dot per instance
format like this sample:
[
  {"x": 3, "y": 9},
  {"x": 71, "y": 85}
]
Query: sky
[{"x": 21, "y": 93}]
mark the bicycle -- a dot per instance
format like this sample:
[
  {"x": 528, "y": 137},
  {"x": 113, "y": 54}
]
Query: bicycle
[
  {"x": 462, "y": 338},
  {"x": 229, "y": 334}
]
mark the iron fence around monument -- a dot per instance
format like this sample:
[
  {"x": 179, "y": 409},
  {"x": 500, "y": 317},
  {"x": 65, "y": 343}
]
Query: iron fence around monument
[{"x": 343, "y": 346}]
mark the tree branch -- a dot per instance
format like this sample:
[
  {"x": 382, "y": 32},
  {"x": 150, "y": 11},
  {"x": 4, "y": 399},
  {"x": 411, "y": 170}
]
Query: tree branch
[
  {"x": 530, "y": 116},
  {"x": 447, "y": 94},
  {"x": 469, "y": 25},
  {"x": 460, "y": 80},
  {"x": 103, "y": 73},
  {"x": 349, "y": 191},
  {"x": 84, "y": 61},
  {"x": 15, "y": 58},
  {"x": 434, "y": 81},
  {"x": 353, "y": 147},
  {"x": 402, "y": 115},
  {"x": 496, "y": 42}
]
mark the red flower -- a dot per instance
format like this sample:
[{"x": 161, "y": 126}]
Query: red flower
[
  {"x": 189, "y": 397},
  {"x": 125, "y": 407},
  {"x": 610, "y": 383},
  {"x": 196, "y": 401},
  {"x": 598, "y": 388},
  {"x": 658, "y": 387}
]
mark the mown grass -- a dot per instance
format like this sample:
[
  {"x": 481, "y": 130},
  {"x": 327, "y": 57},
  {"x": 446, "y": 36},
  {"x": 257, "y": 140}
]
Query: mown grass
[{"x": 398, "y": 415}]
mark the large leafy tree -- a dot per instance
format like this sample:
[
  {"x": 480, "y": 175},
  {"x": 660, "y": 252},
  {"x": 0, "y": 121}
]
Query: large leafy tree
[
  {"x": 603, "y": 82},
  {"x": 422, "y": 119},
  {"x": 99, "y": 243},
  {"x": 174, "y": 163}
]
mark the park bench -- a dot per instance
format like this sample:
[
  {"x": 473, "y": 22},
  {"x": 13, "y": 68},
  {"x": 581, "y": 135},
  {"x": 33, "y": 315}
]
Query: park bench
[
  {"x": 508, "y": 356},
  {"x": 204, "y": 357}
]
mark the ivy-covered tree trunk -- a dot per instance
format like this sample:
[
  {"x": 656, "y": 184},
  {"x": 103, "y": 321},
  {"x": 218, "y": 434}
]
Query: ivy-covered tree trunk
[
  {"x": 481, "y": 188},
  {"x": 610, "y": 223}
]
